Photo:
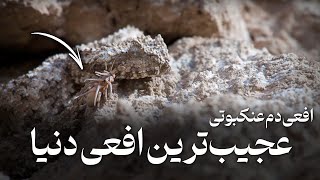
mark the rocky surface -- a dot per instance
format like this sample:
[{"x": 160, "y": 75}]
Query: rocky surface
[
  {"x": 279, "y": 26},
  {"x": 171, "y": 19},
  {"x": 207, "y": 75},
  {"x": 285, "y": 26},
  {"x": 262, "y": 55}
]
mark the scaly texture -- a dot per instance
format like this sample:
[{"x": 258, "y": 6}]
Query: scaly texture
[{"x": 136, "y": 58}]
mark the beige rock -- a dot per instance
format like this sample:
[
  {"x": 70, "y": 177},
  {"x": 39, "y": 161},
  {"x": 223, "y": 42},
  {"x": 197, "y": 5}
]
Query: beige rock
[
  {"x": 207, "y": 75},
  {"x": 84, "y": 21},
  {"x": 284, "y": 26}
]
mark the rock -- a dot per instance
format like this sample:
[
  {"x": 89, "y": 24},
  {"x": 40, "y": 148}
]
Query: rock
[
  {"x": 171, "y": 19},
  {"x": 207, "y": 75},
  {"x": 288, "y": 26}
]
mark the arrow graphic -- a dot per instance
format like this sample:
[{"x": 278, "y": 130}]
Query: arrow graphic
[{"x": 73, "y": 55}]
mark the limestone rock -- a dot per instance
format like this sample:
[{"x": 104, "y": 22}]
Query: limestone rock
[
  {"x": 284, "y": 26},
  {"x": 97, "y": 19},
  {"x": 207, "y": 75}
]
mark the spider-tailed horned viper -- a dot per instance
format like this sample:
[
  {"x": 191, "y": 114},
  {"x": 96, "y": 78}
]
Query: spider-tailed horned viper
[{"x": 136, "y": 58}]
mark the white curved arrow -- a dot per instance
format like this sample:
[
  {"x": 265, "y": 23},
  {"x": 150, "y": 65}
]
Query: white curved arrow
[{"x": 73, "y": 55}]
